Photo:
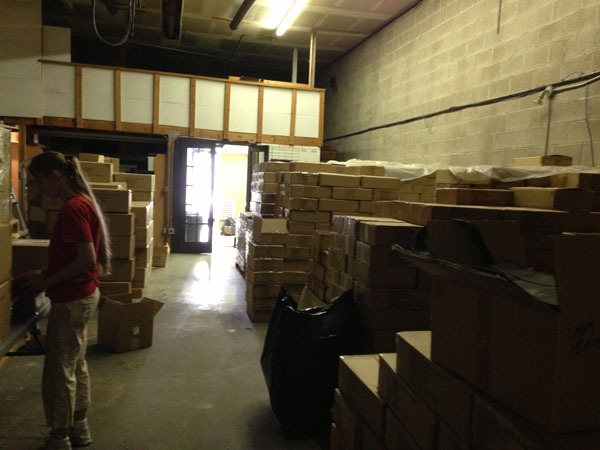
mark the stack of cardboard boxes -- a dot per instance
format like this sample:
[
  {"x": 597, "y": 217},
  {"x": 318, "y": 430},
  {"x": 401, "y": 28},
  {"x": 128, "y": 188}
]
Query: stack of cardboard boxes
[
  {"x": 5, "y": 232},
  {"x": 242, "y": 224}
]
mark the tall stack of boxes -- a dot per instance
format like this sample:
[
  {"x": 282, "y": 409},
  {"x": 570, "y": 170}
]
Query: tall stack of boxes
[
  {"x": 142, "y": 191},
  {"x": 242, "y": 224}
]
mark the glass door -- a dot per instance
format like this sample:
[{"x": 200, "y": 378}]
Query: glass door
[{"x": 193, "y": 191}]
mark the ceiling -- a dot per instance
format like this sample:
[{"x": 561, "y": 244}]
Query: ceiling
[{"x": 206, "y": 45}]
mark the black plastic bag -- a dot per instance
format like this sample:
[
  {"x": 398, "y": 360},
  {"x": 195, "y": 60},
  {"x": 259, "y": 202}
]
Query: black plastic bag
[{"x": 300, "y": 361}]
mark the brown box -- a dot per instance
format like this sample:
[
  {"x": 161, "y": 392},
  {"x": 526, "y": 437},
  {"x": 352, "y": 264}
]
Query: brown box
[
  {"x": 265, "y": 251},
  {"x": 336, "y": 441},
  {"x": 144, "y": 236},
  {"x": 297, "y": 253},
  {"x": 262, "y": 278},
  {"x": 142, "y": 275},
  {"x": 143, "y": 256},
  {"x": 29, "y": 254},
  {"x": 295, "y": 215},
  {"x": 391, "y": 194},
  {"x": 142, "y": 196},
  {"x": 446, "y": 394},
  {"x": 90, "y": 157},
  {"x": 265, "y": 264},
  {"x": 271, "y": 166},
  {"x": 386, "y": 298},
  {"x": 448, "y": 439},
  {"x": 97, "y": 171},
  {"x": 262, "y": 225},
  {"x": 589, "y": 181},
  {"x": 308, "y": 179},
  {"x": 137, "y": 181},
  {"x": 374, "y": 182},
  {"x": 298, "y": 190},
  {"x": 305, "y": 204},
  {"x": 326, "y": 204},
  {"x": 393, "y": 319},
  {"x": 347, "y": 421},
  {"x": 482, "y": 197},
  {"x": 144, "y": 213},
  {"x": 332, "y": 179},
  {"x": 123, "y": 247},
  {"x": 396, "y": 436},
  {"x": 294, "y": 278},
  {"x": 122, "y": 270},
  {"x": 116, "y": 163},
  {"x": 387, "y": 233},
  {"x": 5, "y": 307},
  {"x": 263, "y": 291},
  {"x": 538, "y": 357},
  {"x": 300, "y": 166},
  {"x": 114, "y": 200},
  {"x": 126, "y": 326},
  {"x": 357, "y": 380},
  {"x": 300, "y": 240},
  {"x": 120, "y": 224},
  {"x": 548, "y": 160},
  {"x": 414, "y": 415},
  {"x": 564, "y": 199},
  {"x": 160, "y": 255},
  {"x": 110, "y": 185},
  {"x": 341, "y": 193},
  {"x": 5, "y": 251},
  {"x": 109, "y": 288},
  {"x": 373, "y": 255},
  {"x": 301, "y": 228}
]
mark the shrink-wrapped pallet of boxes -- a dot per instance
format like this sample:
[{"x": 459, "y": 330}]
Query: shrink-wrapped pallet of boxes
[{"x": 243, "y": 223}]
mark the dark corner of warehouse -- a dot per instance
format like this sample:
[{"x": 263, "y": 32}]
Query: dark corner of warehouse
[{"x": 299, "y": 224}]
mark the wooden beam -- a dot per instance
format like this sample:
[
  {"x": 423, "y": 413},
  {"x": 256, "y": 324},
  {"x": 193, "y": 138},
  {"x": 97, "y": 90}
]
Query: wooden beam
[
  {"x": 227, "y": 110},
  {"x": 259, "y": 122},
  {"x": 118, "y": 124},
  {"x": 321, "y": 118},
  {"x": 78, "y": 97},
  {"x": 293, "y": 117},
  {"x": 156, "y": 103},
  {"x": 106, "y": 125},
  {"x": 192, "y": 124},
  {"x": 209, "y": 134}
]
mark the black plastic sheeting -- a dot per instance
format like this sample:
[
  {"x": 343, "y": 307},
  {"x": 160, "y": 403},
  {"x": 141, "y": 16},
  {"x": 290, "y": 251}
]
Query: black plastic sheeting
[{"x": 300, "y": 361}]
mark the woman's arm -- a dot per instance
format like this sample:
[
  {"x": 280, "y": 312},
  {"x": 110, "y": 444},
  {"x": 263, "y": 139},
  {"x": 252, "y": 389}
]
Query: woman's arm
[{"x": 85, "y": 259}]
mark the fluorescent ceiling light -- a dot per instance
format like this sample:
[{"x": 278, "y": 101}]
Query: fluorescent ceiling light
[
  {"x": 291, "y": 16},
  {"x": 279, "y": 8}
]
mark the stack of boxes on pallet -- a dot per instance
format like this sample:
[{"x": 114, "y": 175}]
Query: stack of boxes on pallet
[
  {"x": 242, "y": 224},
  {"x": 127, "y": 199}
]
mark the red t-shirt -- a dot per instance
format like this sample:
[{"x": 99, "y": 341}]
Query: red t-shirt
[{"x": 77, "y": 222}]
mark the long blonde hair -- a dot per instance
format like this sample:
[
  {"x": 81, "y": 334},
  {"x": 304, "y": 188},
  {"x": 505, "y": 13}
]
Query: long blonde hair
[{"x": 68, "y": 165}]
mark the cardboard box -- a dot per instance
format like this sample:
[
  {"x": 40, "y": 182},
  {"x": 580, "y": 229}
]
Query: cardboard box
[
  {"x": 357, "y": 380},
  {"x": 387, "y": 233},
  {"x": 120, "y": 224},
  {"x": 137, "y": 292},
  {"x": 91, "y": 157},
  {"x": 263, "y": 291},
  {"x": 395, "y": 276},
  {"x": 296, "y": 253},
  {"x": 97, "y": 171},
  {"x": 448, "y": 439},
  {"x": 336, "y": 441},
  {"x": 144, "y": 213},
  {"x": 114, "y": 200},
  {"x": 5, "y": 251},
  {"x": 413, "y": 414},
  {"x": 29, "y": 254},
  {"x": 143, "y": 256},
  {"x": 373, "y": 182},
  {"x": 270, "y": 238},
  {"x": 110, "y": 288},
  {"x": 262, "y": 278},
  {"x": 265, "y": 264},
  {"x": 116, "y": 163},
  {"x": 589, "y": 181},
  {"x": 300, "y": 166},
  {"x": 332, "y": 179},
  {"x": 326, "y": 204},
  {"x": 5, "y": 307},
  {"x": 308, "y": 179},
  {"x": 297, "y": 190},
  {"x": 396, "y": 436},
  {"x": 390, "y": 194},
  {"x": 142, "y": 275},
  {"x": 446, "y": 394},
  {"x": 301, "y": 228},
  {"x": 538, "y": 356},
  {"x": 160, "y": 256},
  {"x": 295, "y": 215},
  {"x": 393, "y": 319},
  {"x": 126, "y": 326},
  {"x": 137, "y": 181},
  {"x": 144, "y": 236},
  {"x": 482, "y": 197},
  {"x": 548, "y": 160},
  {"x": 373, "y": 255},
  {"x": 341, "y": 193},
  {"x": 109, "y": 185},
  {"x": 498, "y": 428},
  {"x": 387, "y": 299},
  {"x": 272, "y": 166},
  {"x": 123, "y": 247},
  {"x": 261, "y": 225},
  {"x": 564, "y": 199},
  {"x": 141, "y": 196},
  {"x": 347, "y": 421},
  {"x": 294, "y": 278},
  {"x": 300, "y": 240},
  {"x": 305, "y": 204},
  {"x": 122, "y": 270},
  {"x": 265, "y": 251}
]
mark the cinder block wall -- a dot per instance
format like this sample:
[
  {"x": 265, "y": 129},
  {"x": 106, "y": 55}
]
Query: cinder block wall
[{"x": 444, "y": 53}]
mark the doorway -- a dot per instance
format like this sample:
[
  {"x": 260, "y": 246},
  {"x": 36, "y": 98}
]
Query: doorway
[{"x": 193, "y": 189}]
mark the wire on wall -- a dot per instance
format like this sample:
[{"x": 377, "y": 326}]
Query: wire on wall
[{"x": 561, "y": 86}]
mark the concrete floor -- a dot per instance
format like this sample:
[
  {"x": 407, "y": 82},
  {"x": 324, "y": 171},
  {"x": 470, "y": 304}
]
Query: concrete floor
[{"x": 199, "y": 386}]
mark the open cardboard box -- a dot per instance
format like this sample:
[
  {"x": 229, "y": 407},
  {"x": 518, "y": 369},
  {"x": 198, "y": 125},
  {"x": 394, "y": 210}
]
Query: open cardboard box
[
  {"x": 125, "y": 325},
  {"x": 536, "y": 352}
]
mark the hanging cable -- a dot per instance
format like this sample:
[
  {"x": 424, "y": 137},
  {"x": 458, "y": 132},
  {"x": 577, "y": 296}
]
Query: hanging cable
[{"x": 130, "y": 24}]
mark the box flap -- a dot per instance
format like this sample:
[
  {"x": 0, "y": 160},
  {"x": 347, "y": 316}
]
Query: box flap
[{"x": 156, "y": 305}]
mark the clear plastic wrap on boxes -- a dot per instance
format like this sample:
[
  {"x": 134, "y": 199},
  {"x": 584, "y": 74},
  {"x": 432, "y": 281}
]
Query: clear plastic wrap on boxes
[
  {"x": 5, "y": 180},
  {"x": 241, "y": 230}
]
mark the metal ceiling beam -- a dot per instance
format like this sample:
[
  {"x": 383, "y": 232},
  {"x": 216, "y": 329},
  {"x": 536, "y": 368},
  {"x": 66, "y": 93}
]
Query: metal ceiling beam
[{"x": 241, "y": 12}]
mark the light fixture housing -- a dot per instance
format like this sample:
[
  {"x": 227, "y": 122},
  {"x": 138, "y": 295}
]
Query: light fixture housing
[{"x": 291, "y": 15}]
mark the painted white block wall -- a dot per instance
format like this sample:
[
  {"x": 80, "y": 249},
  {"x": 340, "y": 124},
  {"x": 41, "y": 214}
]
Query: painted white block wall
[{"x": 444, "y": 53}]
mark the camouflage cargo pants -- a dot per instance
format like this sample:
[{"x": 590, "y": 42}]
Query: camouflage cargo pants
[{"x": 65, "y": 380}]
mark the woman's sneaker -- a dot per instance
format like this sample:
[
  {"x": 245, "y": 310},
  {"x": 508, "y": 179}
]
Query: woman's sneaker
[
  {"x": 57, "y": 444},
  {"x": 79, "y": 433}
]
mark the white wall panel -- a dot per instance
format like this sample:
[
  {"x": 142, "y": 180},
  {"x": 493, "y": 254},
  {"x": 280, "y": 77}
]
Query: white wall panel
[
  {"x": 277, "y": 111},
  {"x": 56, "y": 43},
  {"x": 59, "y": 90},
  {"x": 137, "y": 97},
  {"x": 243, "y": 111},
  {"x": 98, "y": 93},
  {"x": 308, "y": 105},
  {"x": 210, "y": 104},
  {"x": 174, "y": 107}
]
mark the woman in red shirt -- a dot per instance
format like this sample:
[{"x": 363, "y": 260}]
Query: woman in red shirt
[{"x": 79, "y": 252}]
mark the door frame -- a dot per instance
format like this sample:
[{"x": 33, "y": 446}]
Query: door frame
[{"x": 178, "y": 241}]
